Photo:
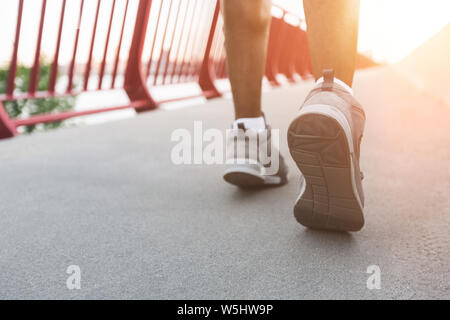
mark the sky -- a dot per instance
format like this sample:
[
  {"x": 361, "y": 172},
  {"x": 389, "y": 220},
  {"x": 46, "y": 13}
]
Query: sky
[{"x": 389, "y": 29}]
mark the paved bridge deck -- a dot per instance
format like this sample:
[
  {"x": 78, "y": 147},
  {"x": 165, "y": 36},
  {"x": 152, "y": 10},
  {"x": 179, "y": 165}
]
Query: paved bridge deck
[{"x": 108, "y": 198}]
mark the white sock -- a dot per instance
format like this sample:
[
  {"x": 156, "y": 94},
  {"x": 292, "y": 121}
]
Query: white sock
[
  {"x": 251, "y": 123},
  {"x": 339, "y": 82}
]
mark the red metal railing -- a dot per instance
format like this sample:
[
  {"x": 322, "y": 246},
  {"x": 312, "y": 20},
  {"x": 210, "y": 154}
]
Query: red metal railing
[{"x": 170, "y": 42}]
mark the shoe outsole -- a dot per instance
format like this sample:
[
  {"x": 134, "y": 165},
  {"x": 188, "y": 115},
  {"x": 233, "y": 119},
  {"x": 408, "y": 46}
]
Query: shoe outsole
[
  {"x": 320, "y": 147},
  {"x": 248, "y": 178},
  {"x": 244, "y": 180}
]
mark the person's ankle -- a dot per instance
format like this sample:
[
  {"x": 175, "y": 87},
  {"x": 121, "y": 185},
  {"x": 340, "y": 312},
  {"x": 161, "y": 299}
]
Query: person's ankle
[
  {"x": 338, "y": 82},
  {"x": 256, "y": 123}
]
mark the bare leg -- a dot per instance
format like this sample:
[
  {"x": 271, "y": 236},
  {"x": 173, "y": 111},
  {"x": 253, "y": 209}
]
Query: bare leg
[
  {"x": 333, "y": 36},
  {"x": 246, "y": 27}
]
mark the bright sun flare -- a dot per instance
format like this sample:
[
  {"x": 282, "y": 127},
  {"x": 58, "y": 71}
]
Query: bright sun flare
[{"x": 391, "y": 29}]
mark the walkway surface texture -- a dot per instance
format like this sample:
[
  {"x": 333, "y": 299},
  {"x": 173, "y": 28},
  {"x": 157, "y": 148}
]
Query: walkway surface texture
[{"x": 108, "y": 199}]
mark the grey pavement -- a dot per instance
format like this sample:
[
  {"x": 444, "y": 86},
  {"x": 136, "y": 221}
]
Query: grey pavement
[{"x": 108, "y": 199}]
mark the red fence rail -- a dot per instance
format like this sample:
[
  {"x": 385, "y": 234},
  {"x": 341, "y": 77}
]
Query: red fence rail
[{"x": 165, "y": 42}]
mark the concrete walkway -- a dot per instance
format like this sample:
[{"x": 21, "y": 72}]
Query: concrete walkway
[{"x": 108, "y": 199}]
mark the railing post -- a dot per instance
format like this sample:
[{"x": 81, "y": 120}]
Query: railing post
[
  {"x": 303, "y": 61},
  {"x": 207, "y": 74},
  {"x": 7, "y": 128},
  {"x": 287, "y": 56},
  {"x": 271, "y": 69},
  {"x": 134, "y": 82}
]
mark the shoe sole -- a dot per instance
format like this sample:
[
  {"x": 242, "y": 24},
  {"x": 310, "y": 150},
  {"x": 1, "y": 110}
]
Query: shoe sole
[
  {"x": 248, "y": 177},
  {"x": 321, "y": 144}
]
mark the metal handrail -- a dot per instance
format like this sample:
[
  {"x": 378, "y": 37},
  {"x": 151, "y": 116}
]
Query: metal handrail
[{"x": 180, "y": 50}]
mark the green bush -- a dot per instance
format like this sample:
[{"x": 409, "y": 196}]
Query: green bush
[{"x": 31, "y": 107}]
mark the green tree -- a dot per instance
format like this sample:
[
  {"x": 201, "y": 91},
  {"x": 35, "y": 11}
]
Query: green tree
[{"x": 31, "y": 107}]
